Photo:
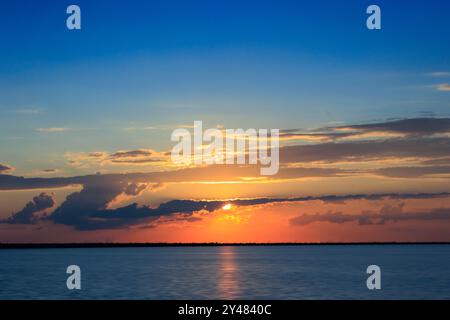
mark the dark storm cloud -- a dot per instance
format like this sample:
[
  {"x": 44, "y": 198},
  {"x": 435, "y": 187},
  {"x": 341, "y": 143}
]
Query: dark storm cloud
[
  {"x": 387, "y": 213},
  {"x": 26, "y": 215}
]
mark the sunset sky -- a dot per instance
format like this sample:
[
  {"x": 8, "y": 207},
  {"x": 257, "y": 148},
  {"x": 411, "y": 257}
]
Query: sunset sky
[{"x": 86, "y": 118}]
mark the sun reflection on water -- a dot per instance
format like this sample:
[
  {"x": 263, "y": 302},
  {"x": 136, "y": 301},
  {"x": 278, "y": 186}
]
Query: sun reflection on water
[{"x": 228, "y": 270}]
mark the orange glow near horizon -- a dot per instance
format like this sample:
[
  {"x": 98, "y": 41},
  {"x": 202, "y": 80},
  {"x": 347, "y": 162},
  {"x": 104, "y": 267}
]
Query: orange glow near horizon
[{"x": 326, "y": 221}]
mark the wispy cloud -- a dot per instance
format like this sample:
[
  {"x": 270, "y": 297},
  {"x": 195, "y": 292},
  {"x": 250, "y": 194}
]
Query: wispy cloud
[
  {"x": 387, "y": 213},
  {"x": 52, "y": 129},
  {"x": 161, "y": 127},
  {"x": 394, "y": 129},
  {"x": 439, "y": 74},
  {"x": 49, "y": 171},
  {"x": 430, "y": 148},
  {"x": 143, "y": 128},
  {"x": 122, "y": 157},
  {"x": 414, "y": 172},
  {"x": 29, "y": 111},
  {"x": 443, "y": 87}
]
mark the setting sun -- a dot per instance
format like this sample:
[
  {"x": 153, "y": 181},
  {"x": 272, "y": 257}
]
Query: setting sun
[{"x": 228, "y": 206}]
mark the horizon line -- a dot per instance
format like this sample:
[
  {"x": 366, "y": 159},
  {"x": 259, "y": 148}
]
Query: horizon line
[{"x": 199, "y": 244}]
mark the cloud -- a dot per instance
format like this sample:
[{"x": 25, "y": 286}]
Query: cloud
[
  {"x": 49, "y": 171},
  {"x": 90, "y": 208},
  {"x": 29, "y": 111},
  {"x": 443, "y": 87},
  {"x": 381, "y": 196},
  {"x": 79, "y": 207},
  {"x": 10, "y": 182},
  {"x": 413, "y": 172},
  {"x": 134, "y": 189},
  {"x": 136, "y": 161},
  {"x": 418, "y": 138},
  {"x": 27, "y": 214},
  {"x": 131, "y": 154},
  {"x": 389, "y": 139},
  {"x": 87, "y": 209},
  {"x": 52, "y": 129},
  {"x": 428, "y": 153},
  {"x": 95, "y": 206},
  {"x": 141, "y": 128},
  {"x": 292, "y": 134},
  {"x": 388, "y": 213},
  {"x": 367, "y": 150},
  {"x": 5, "y": 168},
  {"x": 437, "y": 161},
  {"x": 122, "y": 157},
  {"x": 213, "y": 173},
  {"x": 402, "y": 138},
  {"x": 409, "y": 127},
  {"x": 439, "y": 74},
  {"x": 337, "y": 217},
  {"x": 399, "y": 128}
]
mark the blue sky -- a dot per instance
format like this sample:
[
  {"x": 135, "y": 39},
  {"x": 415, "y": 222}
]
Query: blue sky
[{"x": 269, "y": 64}]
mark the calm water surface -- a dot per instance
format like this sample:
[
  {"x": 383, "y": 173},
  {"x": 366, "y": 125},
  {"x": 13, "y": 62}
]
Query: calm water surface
[{"x": 243, "y": 272}]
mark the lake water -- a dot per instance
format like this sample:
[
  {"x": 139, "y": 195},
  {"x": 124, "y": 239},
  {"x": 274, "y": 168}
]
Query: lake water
[{"x": 231, "y": 272}]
